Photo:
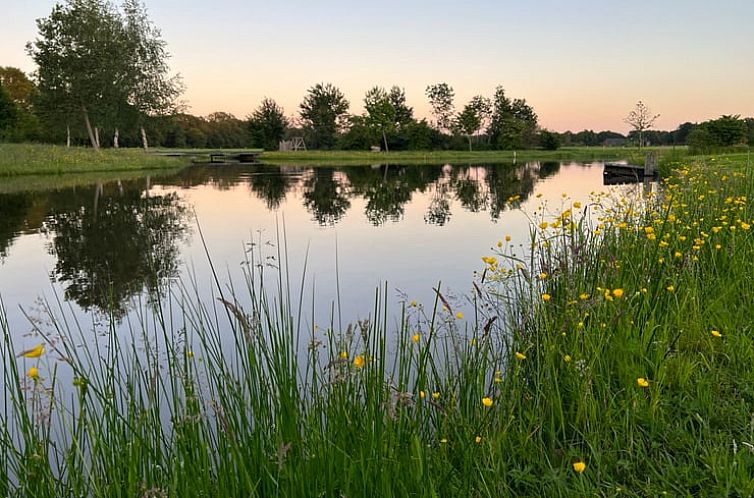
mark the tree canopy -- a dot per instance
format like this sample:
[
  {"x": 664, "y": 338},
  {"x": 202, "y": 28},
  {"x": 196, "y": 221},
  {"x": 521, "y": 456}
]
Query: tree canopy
[
  {"x": 267, "y": 125},
  {"x": 641, "y": 119},
  {"x": 323, "y": 112},
  {"x": 106, "y": 64},
  {"x": 440, "y": 97}
]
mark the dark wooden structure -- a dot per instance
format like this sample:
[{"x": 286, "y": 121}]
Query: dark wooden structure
[
  {"x": 614, "y": 173},
  {"x": 250, "y": 156}
]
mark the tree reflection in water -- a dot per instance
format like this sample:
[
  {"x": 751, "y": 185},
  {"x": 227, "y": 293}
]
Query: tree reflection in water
[
  {"x": 113, "y": 243},
  {"x": 326, "y": 195}
]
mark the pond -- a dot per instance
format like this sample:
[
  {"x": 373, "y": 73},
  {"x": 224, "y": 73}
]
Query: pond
[{"x": 344, "y": 232}]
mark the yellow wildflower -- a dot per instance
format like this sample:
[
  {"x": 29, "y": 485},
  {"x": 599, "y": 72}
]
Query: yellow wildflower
[
  {"x": 546, "y": 297},
  {"x": 567, "y": 358},
  {"x": 577, "y": 205},
  {"x": 34, "y": 352},
  {"x": 716, "y": 333},
  {"x": 642, "y": 382},
  {"x": 579, "y": 467},
  {"x": 459, "y": 315},
  {"x": 583, "y": 296},
  {"x": 33, "y": 373},
  {"x": 487, "y": 401},
  {"x": 478, "y": 439},
  {"x": 358, "y": 362},
  {"x": 435, "y": 395},
  {"x": 415, "y": 338},
  {"x": 618, "y": 292},
  {"x": 670, "y": 288},
  {"x": 507, "y": 238},
  {"x": 422, "y": 394},
  {"x": 520, "y": 356},
  {"x": 343, "y": 355}
]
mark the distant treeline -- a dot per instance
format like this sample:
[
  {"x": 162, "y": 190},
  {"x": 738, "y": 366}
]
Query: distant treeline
[
  {"x": 323, "y": 122},
  {"x": 708, "y": 136}
]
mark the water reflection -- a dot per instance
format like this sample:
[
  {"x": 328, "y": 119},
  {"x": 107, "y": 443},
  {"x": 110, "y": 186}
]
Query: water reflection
[
  {"x": 13, "y": 212},
  {"x": 326, "y": 196},
  {"x": 112, "y": 242}
]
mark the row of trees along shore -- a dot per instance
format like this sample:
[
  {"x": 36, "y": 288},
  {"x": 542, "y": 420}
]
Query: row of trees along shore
[{"x": 103, "y": 78}]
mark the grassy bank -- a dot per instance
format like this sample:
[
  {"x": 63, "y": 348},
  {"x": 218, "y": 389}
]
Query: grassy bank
[
  {"x": 26, "y": 159},
  {"x": 615, "y": 360},
  {"x": 352, "y": 158}
]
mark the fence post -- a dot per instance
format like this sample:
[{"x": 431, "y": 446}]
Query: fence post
[{"x": 650, "y": 164}]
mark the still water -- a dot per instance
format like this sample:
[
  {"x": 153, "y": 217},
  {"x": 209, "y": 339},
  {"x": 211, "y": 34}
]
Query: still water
[{"x": 98, "y": 248}]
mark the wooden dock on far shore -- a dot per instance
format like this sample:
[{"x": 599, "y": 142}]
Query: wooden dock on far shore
[{"x": 250, "y": 156}]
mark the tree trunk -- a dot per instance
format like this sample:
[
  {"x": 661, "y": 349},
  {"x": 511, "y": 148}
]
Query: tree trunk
[
  {"x": 469, "y": 137},
  {"x": 384, "y": 139},
  {"x": 96, "y": 135},
  {"x": 144, "y": 140},
  {"x": 68, "y": 136},
  {"x": 89, "y": 130},
  {"x": 116, "y": 139}
]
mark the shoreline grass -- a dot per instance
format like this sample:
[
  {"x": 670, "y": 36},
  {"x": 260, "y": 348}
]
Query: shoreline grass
[
  {"x": 28, "y": 159},
  {"x": 614, "y": 360},
  {"x": 34, "y": 159},
  {"x": 352, "y": 158}
]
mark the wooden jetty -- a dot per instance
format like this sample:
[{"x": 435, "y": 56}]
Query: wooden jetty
[
  {"x": 614, "y": 173},
  {"x": 250, "y": 156},
  {"x": 234, "y": 157}
]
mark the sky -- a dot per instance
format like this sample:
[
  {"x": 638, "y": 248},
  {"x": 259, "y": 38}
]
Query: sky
[{"x": 582, "y": 64}]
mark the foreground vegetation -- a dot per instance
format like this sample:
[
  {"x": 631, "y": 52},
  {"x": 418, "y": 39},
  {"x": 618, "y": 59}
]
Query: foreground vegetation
[
  {"x": 614, "y": 359},
  {"x": 16, "y": 159}
]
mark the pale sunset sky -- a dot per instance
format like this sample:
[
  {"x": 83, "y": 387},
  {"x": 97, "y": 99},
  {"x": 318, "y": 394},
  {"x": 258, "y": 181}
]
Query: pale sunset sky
[{"x": 579, "y": 63}]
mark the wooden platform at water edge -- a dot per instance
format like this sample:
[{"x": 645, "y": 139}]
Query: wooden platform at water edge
[
  {"x": 250, "y": 156},
  {"x": 622, "y": 173}
]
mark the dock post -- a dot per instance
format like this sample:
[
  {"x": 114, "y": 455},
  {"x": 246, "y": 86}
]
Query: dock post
[{"x": 650, "y": 164}]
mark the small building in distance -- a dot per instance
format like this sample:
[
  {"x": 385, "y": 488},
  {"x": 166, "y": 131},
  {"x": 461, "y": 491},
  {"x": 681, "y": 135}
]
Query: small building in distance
[{"x": 295, "y": 143}]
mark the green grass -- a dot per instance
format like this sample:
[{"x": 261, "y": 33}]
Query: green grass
[
  {"x": 16, "y": 159},
  {"x": 230, "y": 400},
  {"x": 351, "y": 158}
]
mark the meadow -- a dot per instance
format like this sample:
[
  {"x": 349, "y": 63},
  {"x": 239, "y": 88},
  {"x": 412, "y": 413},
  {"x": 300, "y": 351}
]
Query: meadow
[
  {"x": 37, "y": 159},
  {"x": 54, "y": 160},
  {"x": 611, "y": 358}
]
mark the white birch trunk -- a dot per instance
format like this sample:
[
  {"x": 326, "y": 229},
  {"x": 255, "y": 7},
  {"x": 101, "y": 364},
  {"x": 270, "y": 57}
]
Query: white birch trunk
[
  {"x": 96, "y": 135},
  {"x": 68, "y": 137},
  {"x": 144, "y": 141},
  {"x": 116, "y": 139},
  {"x": 92, "y": 139}
]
